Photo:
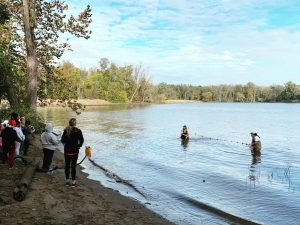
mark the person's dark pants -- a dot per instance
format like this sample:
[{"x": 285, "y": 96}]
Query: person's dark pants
[
  {"x": 26, "y": 146},
  {"x": 48, "y": 155},
  {"x": 11, "y": 156},
  {"x": 1, "y": 151},
  {"x": 4, "y": 155},
  {"x": 71, "y": 161},
  {"x": 21, "y": 148}
]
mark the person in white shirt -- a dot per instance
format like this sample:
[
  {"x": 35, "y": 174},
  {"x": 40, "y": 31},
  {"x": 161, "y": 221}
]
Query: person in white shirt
[
  {"x": 256, "y": 143},
  {"x": 20, "y": 134}
]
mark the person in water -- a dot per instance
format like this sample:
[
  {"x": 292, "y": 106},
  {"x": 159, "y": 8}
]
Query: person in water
[
  {"x": 255, "y": 144},
  {"x": 184, "y": 133}
]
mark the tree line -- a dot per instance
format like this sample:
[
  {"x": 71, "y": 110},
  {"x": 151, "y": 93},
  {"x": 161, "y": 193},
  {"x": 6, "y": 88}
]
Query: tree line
[{"x": 116, "y": 83}]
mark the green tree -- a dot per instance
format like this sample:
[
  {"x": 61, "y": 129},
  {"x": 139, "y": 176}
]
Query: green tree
[
  {"x": 162, "y": 97},
  {"x": 42, "y": 22},
  {"x": 289, "y": 92},
  {"x": 115, "y": 93},
  {"x": 206, "y": 96},
  {"x": 239, "y": 97},
  {"x": 10, "y": 61},
  {"x": 276, "y": 91},
  {"x": 250, "y": 92},
  {"x": 91, "y": 86}
]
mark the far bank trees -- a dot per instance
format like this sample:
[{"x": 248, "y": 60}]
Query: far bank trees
[{"x": 117, "y": 83}]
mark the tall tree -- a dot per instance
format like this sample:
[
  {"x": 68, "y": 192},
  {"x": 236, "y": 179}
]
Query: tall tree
[
  {"x": 250, "y": 92},
  {"x": 42, "y": 23},
  {"x": 10, "y": 60},
  {"x": 290, "y": 91},
  {"x": 141, "y": 78}
]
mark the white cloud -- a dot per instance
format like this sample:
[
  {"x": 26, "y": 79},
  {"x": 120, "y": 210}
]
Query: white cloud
[{"x": 195, "y": 42}]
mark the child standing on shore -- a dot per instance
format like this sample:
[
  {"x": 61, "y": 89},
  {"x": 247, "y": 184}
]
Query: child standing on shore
[{"x": 27, "y": 131}]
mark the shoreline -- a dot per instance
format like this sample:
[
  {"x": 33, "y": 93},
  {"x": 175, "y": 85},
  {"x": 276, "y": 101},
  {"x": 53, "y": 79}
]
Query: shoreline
[
  {"x": 49, "y": 201},
  {"x": 100, "y": 102}
]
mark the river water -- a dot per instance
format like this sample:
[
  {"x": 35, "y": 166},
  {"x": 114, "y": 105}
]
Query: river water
[{"x": 210, "y": 179}]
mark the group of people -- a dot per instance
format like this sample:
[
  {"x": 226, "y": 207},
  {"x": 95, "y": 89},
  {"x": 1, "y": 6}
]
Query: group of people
[
  {"x": 255, "y": 145},
  {"x": 72, "y": 139},
  {"x": 15, "y": 136}
]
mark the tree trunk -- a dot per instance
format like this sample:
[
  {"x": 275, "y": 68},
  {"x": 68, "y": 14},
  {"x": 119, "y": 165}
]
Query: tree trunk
[
  {"x": 32, "y": 64},
  {"x": 134, "y": 93},
  {"x": 21, "y": 190},
  {"x": 11, "y": 92}
]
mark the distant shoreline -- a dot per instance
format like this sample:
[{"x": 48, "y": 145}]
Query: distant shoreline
[{"x": 101, "y": 102}]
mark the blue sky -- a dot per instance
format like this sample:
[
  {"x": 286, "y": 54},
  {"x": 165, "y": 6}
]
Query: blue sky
[{"x": 198, "y": 42}]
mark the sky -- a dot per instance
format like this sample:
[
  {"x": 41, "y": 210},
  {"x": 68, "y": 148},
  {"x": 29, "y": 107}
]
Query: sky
[{"x": 197, "y": 42}]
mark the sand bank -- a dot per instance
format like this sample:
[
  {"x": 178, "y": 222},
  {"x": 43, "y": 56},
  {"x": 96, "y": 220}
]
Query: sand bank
[{"x": 50, "y": 201}]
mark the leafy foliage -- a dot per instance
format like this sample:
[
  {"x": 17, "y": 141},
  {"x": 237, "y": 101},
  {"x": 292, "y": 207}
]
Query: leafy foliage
[{"x": 36, "y": 38}]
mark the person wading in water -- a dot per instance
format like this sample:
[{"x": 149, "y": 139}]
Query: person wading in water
[
  {"x": 184, "y": 133},
  {"x": 255, "y": 144}
]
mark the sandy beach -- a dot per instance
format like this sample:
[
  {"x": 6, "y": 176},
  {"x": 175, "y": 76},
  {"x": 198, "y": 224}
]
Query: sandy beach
[
  {"x": 99, "y": 102},
  {"x": 50, "y": 201}
]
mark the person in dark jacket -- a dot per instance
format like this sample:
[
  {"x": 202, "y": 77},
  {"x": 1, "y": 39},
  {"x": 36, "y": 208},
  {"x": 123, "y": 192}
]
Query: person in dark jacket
[
  {"x": 27, "y": 131},
  {"x": 9, "y": 136},
  {"x": 184, "y": 133},
  {"x": 72, "y": 140}
]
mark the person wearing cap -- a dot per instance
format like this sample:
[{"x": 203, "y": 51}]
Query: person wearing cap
[
  {"x": 9, "y": 136},
  {"x": 255, "y": 144},
  {"x": 184, "y": 133}
]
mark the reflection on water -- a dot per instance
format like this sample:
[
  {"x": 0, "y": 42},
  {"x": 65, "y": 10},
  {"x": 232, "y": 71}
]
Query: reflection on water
[
  {"x": 254, "y": 173},
  {"x": 256, "y": 158},
  {"x": 184, "y": 143}
]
